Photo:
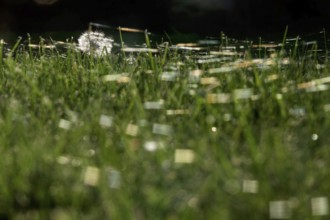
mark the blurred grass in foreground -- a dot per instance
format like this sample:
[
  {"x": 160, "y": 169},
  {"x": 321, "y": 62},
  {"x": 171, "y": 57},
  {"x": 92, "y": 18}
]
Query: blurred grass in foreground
[{"x": 221, "y": 129}]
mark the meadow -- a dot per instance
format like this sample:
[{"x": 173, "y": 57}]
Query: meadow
[{"x": 215, "y": 129}]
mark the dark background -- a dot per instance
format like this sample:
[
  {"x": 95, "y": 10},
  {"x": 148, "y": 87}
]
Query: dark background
[{"x": 204, "y": 17}]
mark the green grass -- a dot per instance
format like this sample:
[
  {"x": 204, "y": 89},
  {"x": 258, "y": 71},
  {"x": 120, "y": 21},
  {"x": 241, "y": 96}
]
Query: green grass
[{"x": 254, "y": 135}]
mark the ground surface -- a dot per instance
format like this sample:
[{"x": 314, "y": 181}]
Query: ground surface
[{"x": 222, "y": 129}]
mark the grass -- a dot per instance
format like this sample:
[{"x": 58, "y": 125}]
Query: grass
[{"x": 191, "y": 132}]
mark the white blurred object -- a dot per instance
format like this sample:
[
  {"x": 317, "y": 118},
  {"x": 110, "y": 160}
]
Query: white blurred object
[
  {"x": 150, "y": 146},
  {"x": 91, "y": 177},
  {"x": 105, "y": 121},
  {"x": 95, "y": 43},
  {"x": 184, "y": 156},
  {"x": 250, "y": 186},
  {"x": 64, "y": 124},
  {"x": 320, "y": 206},
  {"x": 114, "y": 178},
  {"x": 162, "y": 129},
  {"x": 280, "y": 209}
]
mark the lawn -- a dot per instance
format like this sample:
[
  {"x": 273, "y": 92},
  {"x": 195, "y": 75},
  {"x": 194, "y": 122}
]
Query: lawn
[{"x": 217, "y": 129}]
